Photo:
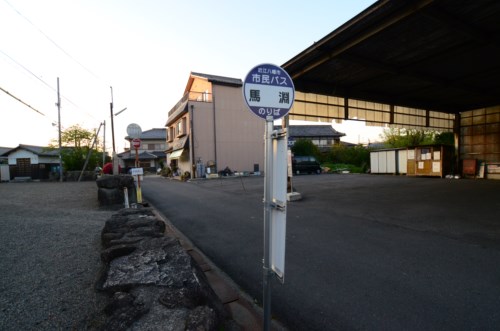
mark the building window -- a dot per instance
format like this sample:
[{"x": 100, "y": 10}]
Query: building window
[
  {"x": 181, "y": 127},
  {"x": 170, "y": 134},
  {"x": 205, "y": 96}
]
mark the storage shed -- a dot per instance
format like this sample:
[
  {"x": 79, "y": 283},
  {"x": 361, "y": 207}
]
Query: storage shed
[
  {"x": 430, "y": 160},
  {"x": 388, "y": 161}
]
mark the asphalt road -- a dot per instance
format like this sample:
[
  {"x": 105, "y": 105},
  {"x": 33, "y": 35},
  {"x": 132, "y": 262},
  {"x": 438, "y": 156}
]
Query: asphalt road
[{"x": 363, "y": 252}]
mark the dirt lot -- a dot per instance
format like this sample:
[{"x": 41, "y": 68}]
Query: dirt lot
[{"x": 49, "y": 255}]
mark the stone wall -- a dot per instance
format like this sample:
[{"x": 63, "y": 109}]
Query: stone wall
[
  {"x": 153, "y": 284},
  {"x": 111, "y": 189}
]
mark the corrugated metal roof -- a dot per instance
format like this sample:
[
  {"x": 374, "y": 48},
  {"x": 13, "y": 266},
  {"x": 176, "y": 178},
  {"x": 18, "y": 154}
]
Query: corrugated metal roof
[
  {"x": 437, "y": 55},
  {"x": 220, "y": 79}
]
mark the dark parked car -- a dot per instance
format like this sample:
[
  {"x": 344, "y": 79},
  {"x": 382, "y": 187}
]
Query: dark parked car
[{"x": 305, "y": 164}]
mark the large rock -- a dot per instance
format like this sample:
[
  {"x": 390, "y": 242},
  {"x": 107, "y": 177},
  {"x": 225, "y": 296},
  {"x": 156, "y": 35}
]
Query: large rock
[
  {"x": 155, "y": 261},
  {"x": 111, "y": 189},
  {"x": 154, "y": 284},
  {"x": 129, "y": 226}
]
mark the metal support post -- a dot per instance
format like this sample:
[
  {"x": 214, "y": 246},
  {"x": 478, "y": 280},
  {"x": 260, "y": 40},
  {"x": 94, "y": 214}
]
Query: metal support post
[
  {"x": 267, "y": 272},
  {"x": 125, "y": 197},
  {"x": 139, "y": 192},
  {"x": 104, "y": 145}
]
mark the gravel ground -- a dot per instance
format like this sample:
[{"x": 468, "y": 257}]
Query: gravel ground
[{"x": 49, "y": 256}]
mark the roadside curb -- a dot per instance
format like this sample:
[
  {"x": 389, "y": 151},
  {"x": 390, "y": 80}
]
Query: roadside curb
[{"x": 240, "y": 305}]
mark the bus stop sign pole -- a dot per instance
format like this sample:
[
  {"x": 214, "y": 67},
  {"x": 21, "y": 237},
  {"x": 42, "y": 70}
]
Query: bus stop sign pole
[
  {"x": 267, "y": 223},
  {"x": 269, "y": 94}
]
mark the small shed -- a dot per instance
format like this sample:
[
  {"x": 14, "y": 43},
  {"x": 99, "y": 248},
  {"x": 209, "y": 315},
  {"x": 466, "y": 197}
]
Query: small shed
[
  {"x": 388, "y": 161},
  {"x": 431, "y": 160}
]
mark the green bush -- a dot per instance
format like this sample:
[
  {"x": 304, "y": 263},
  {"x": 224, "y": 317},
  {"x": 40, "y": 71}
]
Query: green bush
[
  {"x": 358, "y": 157},
  {"x": 306, "y": 147},
  {"x": 186, "y": 175},
  {"x": 339, "y": 167},
  {"x": 166, "y": 172}
]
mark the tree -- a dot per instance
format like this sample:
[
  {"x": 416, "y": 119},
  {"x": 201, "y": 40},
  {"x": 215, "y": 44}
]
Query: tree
[
  {"x": 356, "y": 155},
  {"x": 396, "y": 137},
  {"x": 445, "y": 138},
  {"x": 305, "y": 147},
  {"x": 76, "y": 142}
]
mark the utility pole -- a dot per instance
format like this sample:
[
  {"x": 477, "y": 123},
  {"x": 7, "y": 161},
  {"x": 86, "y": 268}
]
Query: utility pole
[
  {"x": 59, "y": 124},
  {"x": 112, "y": 124},
  {"x": 114, "y": 159},
  {"x": 89, "y": 153},
  {"x": 104, "y": 144}
]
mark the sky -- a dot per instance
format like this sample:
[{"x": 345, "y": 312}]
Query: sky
[{"x": 139, "y": 54}]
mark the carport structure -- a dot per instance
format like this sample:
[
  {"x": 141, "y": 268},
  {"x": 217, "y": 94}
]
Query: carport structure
[{"x": 416, "y": 64}]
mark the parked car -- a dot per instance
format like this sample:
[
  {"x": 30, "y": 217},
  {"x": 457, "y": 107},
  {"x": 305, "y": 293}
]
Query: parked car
[{"x": 305, "y": 164}]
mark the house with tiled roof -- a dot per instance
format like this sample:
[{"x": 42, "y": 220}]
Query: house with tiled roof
[
  {"x": 151, "y": 153},
  {"x": 35, "y": 162},
  {"x": 323, "y": 136}
]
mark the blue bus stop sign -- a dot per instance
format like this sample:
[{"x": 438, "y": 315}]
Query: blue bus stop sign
[{"x": 268, "y": 91}]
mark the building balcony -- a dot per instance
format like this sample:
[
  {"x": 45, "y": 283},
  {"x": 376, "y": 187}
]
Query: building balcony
[{"x": 181, "y": 106}]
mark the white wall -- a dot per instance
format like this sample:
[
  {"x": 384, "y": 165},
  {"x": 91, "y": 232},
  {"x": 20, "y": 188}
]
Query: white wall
[{"x": 22, "y": 154}]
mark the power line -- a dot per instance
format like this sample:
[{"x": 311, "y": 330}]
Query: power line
[
  {"x": 43, "y": 82},
  {"x": 31, "y": 72},
  {"x": 62, "y": 50},
  {"x": 53, "y": 42},
  {"x": 21, "y": 101}
]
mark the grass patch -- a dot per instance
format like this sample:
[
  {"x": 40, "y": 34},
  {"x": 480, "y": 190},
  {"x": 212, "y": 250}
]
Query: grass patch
[{"x": 339, "y": 167}]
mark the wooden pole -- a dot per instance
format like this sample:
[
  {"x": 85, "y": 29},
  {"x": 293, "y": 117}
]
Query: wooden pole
[{"x": 59, "y": 125}]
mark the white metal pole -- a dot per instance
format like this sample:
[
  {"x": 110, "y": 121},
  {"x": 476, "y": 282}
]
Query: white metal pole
[
  {"x": 139, "y": 192},
  {"x": 125, "y": 197},
  {"x": 267, "y": 273}
]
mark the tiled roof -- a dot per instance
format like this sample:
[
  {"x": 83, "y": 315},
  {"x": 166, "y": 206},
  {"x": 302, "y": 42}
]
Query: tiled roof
[
  {"x": 220, "y": 79},
  {"x": 153, "y": 134},
  {"x": 127, "y": 155},
  {"x": 4, "y": 150},
  {"x": 314, "y": 131},
  {"x": 39, "y": 150}
]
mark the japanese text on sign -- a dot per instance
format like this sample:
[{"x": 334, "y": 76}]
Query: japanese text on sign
[{"x": 268, "y": 91}]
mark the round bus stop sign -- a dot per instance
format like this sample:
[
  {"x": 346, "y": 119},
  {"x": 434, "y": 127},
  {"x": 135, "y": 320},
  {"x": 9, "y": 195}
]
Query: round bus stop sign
[
  {"x": 268, "y": 91},
  {"x": 134, "y": 130}
]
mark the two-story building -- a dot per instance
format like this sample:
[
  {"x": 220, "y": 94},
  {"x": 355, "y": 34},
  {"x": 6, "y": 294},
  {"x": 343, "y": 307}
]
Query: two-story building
[
  {"x": 151, "y": 153},
  {"x": 211, "y": 128},
  {"x": 323, "y": 136}
]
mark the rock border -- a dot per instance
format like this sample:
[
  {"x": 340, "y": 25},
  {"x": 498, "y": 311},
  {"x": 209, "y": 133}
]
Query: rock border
[{"x": 152, "y": 282}]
